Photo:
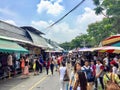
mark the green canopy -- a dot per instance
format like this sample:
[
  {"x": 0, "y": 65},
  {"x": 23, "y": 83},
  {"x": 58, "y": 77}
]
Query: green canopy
[
  {"x": 9, "y": 46},
  {"x": 116, "y": 44}
]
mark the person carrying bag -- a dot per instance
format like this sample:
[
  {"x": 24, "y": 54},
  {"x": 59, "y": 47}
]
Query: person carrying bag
[
  {"x": 66, "y": 76},
  {"x": 112, "y": 82}
]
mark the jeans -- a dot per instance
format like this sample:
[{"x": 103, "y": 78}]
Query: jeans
[
  {"x": 47, "y": 70},
  {"x": 40, "y": 68},
  {"x": 52, "y": 69},
  {"x": 63, "y": 85},
  {"x": 101, "y": 82}
]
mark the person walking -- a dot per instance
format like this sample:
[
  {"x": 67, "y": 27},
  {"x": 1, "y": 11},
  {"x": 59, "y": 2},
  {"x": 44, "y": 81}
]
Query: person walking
[
  {"x": 47, "y": 63},
  {"x": 99, "y": 74},
  {"x": 52, "y": 66},
  {"x": 37, "y": 62},
  {"x": 93, "y": 66},
  {"x": 26, "y": 69},
  {"x": 111, "y": 80},
  {"x": 114, "y": 66},
  {"x": 10, "y": 64},
  {"x": 62, "y": 71},
  {"x": 41, "y": 63},
  {"x": 118, "y": 71},
  {"x": 89, "y": 74},
  {"x": 80, "y": 82},
  {"x": 22, "y": 61},
  {"x": 34, "y": 66},
  {"x": 77, "y": 67},
  {"x": 56, "y": 64}
]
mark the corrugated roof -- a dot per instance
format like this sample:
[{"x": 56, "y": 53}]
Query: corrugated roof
[
  {"x": 38, "y": 40},
  {"x": 13, "y": 35},
  {"x": 12, "y": 31},
  {"x": 55, "y": 45},
  {"x": 32, "y": 29},
  {"x": 11, "y": 28}
]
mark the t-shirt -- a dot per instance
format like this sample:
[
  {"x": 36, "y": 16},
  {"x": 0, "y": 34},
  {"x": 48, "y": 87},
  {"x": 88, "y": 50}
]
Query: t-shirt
[
  {"x": 62, "y": 72},
  {"x": 84, "y": 67},
  {"x": 98, "y": 68},
  {"x": 95, "y": 58},
  {"x": 114, "y": 70},
  {"x": 106, "y": 61},
  {"x": 53, "y": 57},
  {"x": 115, "y": 59},
  {"x": 89, "y": 69},
  {"x": 10, "y": 60}
]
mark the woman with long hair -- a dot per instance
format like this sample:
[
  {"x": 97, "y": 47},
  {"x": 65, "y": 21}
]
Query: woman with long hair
[
  {"x": 77, "y": 67},
  {"x": 80, "y": 82}
]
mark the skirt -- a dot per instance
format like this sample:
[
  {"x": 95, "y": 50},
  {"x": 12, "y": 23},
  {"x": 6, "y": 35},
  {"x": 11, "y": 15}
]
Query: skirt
[{"x": 26, "y": 70}]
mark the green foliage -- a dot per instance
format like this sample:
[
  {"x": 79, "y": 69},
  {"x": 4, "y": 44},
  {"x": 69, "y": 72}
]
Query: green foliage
[
  {"x": 98, "y": 10},
  {"x": 96, "y": 2},
  {"x": 98, "y": 31},
  {"x": 112, "y": 8}
]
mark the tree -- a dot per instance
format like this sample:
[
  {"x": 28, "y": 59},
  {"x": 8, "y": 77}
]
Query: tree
[
  {"x": 112, "y": 8},
  {"x": 99, "y": 8},
  {"x": 65, "y": 45},
  {"x": 79, "y": 41},
  {"x": 100, "y": 30}
]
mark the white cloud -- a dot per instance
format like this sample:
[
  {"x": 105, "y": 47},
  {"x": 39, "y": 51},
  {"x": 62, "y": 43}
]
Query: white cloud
[
  {"x": 6, "y": 11},
  {"x": 51, "y": 7},
  {"x": 10, "y": 22},
  {"x": 40, "y": 24},
  {"x": 62, "y": 32},
  {"x": 87, "y": 18}
]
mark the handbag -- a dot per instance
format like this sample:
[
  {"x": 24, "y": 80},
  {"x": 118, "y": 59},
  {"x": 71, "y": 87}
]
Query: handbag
[
  {"x": 34, "y": 66},
  {"x": 112, "y": 84},
  {"x": 66, "y": 77}
]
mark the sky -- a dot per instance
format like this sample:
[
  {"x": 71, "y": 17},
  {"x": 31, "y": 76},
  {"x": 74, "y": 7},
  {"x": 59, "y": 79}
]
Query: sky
[{"x": 42, "y": 13}]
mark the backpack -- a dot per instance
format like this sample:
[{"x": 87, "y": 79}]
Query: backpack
[{"x": 89, "y": 75}]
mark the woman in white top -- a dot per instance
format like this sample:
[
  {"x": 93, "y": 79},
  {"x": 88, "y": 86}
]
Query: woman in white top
[
  {"x": 80, "y": 82},
  {"x": 114, "y": 66},
  {"x": 62, "y": 71}
]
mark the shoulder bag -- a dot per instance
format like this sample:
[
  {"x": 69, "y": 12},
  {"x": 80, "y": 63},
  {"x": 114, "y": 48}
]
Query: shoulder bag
[
  {"x": 112, "y": 84},
  {"x": 66, "y": 76}
]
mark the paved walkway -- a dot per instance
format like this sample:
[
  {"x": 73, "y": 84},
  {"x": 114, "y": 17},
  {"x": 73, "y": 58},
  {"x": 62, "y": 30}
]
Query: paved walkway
[{"x": 39, "y": 82}]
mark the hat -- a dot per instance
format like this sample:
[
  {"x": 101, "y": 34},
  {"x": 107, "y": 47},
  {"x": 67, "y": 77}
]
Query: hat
[{"x": 113, "y": 62}]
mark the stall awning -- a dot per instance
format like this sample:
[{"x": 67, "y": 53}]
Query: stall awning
[
  {"x": 110, "y": 40},
  {"x": 9, "y": 46},
  {"x": 116, "y": 44}
]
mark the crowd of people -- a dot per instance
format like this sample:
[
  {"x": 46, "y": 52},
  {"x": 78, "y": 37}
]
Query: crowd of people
[
  {"x": 91, "y": 72},
  {"x": 78, "y": 71}
]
